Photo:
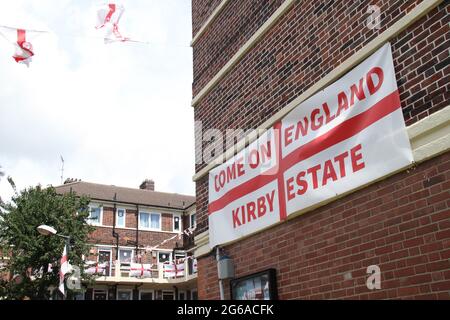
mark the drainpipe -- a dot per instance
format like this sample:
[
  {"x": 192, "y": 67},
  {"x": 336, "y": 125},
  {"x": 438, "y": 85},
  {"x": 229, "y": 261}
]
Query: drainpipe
[
  {"x": 222, "y": 294},
  {"x": 137, "y": 230},
  {"x": 176, "y": 292},
  {"x": 114, "y": 233}
]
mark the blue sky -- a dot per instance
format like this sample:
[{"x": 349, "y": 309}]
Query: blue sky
[{"x": 117, "y": 113}]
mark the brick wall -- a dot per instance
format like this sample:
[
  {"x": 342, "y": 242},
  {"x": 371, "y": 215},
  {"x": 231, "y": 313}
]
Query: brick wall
[
  {"x": 401, "y": 224},
  {"x": 103, "y": 235},
  {"x": 167, "y": 222},
  {"x": 214, "y": 48},
  {"x": 201, "y": 10},
  {"x": 130, "y": 219},
  {"x": 308, "y": 42}
]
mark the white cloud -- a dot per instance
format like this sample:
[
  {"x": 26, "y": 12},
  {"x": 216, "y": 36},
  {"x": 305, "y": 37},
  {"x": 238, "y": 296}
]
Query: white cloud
[{"x": 118, "y": 113}]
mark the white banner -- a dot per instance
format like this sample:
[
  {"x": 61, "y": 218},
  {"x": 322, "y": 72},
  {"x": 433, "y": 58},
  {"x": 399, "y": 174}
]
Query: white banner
[{"x": 344, "y": 137}]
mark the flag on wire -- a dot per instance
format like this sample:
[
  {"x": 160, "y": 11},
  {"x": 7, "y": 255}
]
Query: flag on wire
[
  {"x": 20, "y": 39},
  {"x": 108, "y": 17},
  {"x": 65, "y": 268}
]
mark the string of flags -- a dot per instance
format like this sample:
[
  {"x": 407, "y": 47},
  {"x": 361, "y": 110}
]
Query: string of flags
[
  {"x": 108, "y": 18},
  {"x": 188, "y": 232},
  {"x": 20, "y": 39}
]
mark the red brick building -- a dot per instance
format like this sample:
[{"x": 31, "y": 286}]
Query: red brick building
[
  {"x": 138, "y": 228},
  {"x": 253, "y": 60}
]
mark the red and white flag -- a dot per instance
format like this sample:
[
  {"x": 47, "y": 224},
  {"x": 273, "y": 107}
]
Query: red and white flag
[
  {"x": 97, "y": 268},
  {"x": 173, "y": 269},
  {"x": 65, "y": 268},
  {"x": 20, "y": 39},
  {"x": 108, "y": 17},
  {"x": 140, "y": 270}
]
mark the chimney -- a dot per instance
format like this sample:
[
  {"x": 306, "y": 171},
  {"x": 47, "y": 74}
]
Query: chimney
[{"x": 148, "y": 184}]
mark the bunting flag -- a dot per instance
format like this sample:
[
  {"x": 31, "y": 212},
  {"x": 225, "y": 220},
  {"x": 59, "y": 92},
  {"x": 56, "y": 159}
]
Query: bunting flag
[
  {"x": 108, "y": 17},
  {"x": 19, "y": 38},
  {"x": 65, "y": 268}
]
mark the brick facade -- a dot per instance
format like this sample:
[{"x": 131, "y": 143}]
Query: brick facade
[
  {"x": 117, "y": 245},
  {"x": 280, "y": 74},
  {"x": 401, "y": 223},
  {"x": 104, "y": 236}
]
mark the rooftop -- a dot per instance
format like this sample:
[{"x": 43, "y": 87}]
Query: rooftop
[{"x": 127, "y": 195}]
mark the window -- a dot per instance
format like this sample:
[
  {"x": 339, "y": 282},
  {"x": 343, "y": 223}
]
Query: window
[
  {"x": 120, "y": 218},
  {"x": 150, "y": 220},
  {"x": 104, "y": 256},
  {"x": 100, "y": 295},
  {"x": 95, "y": 216},
  {"x": 181, "y": 295},
  {"x": 145, "y": 295},
  {"x": 124, "y": 294},
  {"x": 193, "y": 220},
  {"x": 194, "y": 295},
  {"x": 168, "y": 295},
  {"x": 163, "y": 257},
  {"x": 179, "y": 256},
  {"x": 176, "y": 223},
  {"x": 125, "y": 255}
]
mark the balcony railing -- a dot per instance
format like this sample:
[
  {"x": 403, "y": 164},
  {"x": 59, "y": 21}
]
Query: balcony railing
[{"x": 155, "y": 275}]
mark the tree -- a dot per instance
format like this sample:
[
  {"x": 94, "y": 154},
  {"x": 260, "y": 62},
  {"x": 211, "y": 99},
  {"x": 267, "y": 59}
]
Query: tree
[
  {"x": 2, "y": 173},
  {"x": 31, "y": 253}
]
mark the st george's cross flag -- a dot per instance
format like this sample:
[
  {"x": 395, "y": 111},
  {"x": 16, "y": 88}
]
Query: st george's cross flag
[
  {"x": 20, "y": 39},
  {"x": 108, "y": 17},
  {"x": 65, "y": 268}
]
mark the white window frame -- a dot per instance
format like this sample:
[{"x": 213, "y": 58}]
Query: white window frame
[
  {"x": 90, "y": 221},
  {"x": 124, "y": 218},
  {"x": 162, "y": 251},
  {"x": 192, "y": 225},
  {"x": 147, "y": 291},
  {"x": 180, "y": 226},
  {"x": 150, "y": 228},
  {"x": 124, "y": 290},
  {"x": 110, "y": 258},
  {"x": 127, "y": 249}
]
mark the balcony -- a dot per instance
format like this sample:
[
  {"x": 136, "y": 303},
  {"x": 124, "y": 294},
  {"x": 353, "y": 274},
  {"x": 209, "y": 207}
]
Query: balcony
[{"x": 156, "y": 275}]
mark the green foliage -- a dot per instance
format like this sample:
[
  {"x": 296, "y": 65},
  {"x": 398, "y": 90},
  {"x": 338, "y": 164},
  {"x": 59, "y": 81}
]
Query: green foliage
[{"x": 31, "y": 253}]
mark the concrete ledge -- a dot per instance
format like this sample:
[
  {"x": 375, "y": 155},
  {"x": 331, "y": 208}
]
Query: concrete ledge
[
  {"x": 243, "y": 50},
  {"x": 211, "y": 18},
  {"x": 430, "y": 136},
  {"x": 202, "y": 244}
]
